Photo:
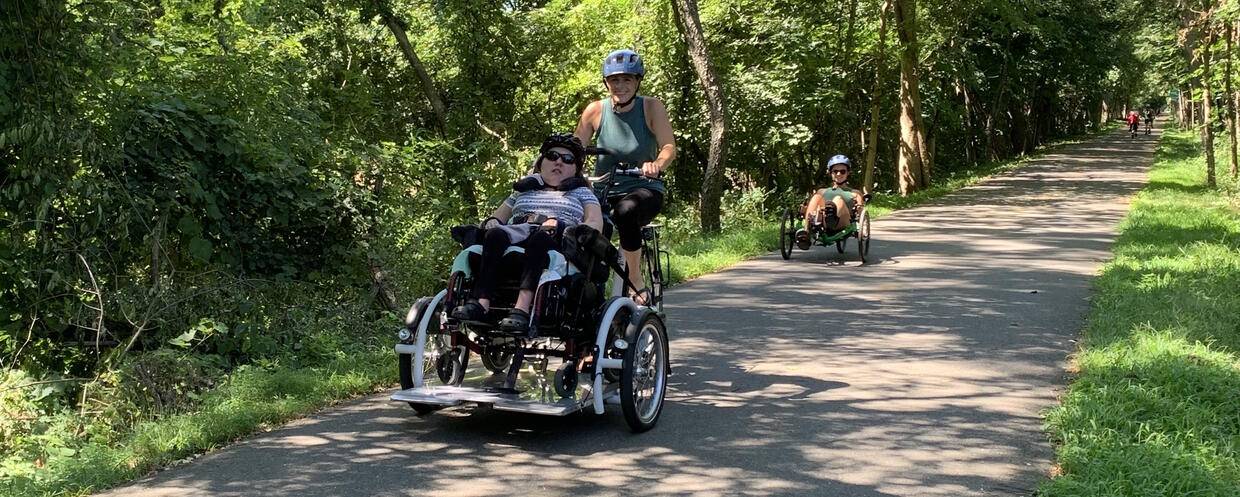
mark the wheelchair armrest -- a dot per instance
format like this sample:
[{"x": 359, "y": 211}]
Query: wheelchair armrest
[
  {"x": 583, "y": 246},
  {"x": 466, "y": 234}
]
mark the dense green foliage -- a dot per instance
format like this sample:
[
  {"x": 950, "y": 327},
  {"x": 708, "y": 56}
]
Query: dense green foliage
[
  {"x": 1153, "y": 410},
  {"x": 189, "y": 187}
]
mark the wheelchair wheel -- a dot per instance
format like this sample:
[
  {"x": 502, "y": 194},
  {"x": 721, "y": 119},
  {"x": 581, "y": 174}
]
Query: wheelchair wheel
[
  {"x": 436, "y": 343},
  {"x": 450, "y": 366},
  {"x": 787, "y": 234},
  {"x": 406, "y": 382},
  {"x": 643, "y": 379},
  {"x": 495, "y": 359},
  {"x": 863, "y": 235}
]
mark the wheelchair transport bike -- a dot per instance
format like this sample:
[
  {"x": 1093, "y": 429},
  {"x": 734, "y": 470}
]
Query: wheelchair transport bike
[
  {"x": 858, "y": 228},
  {"x": 585, "y": 347}
]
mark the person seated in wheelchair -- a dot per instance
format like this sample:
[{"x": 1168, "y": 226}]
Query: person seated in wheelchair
[
  {"x": 555, "y": 197},
  {"x": 831, "y": 209}
]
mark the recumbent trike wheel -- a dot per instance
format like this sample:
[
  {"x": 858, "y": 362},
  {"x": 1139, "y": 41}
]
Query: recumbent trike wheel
[{"x": 787, "y": 234}]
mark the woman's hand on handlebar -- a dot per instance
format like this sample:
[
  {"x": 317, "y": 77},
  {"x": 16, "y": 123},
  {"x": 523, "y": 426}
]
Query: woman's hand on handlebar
[{"x": 651, "y": 170}]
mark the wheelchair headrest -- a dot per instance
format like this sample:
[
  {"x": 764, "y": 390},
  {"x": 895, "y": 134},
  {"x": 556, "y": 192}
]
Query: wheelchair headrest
[{"x": 535, "y": 182}]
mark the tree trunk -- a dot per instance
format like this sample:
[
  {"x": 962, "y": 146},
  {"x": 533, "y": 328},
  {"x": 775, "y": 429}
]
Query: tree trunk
[
  {"x": 912, "y": 164},
  {"x": 849, "y": 34},
  {"x": 1207, "y": 135},
  {"x": 157, "y": 257},
  {"x": 970, "y": 122},
  {"x": 850, "y": 82},
  {"x": 871, "y": 148},
  {"x": 379, "y": 287},
  {"x": 1228, "y": 94},
  {"x": 1181, "y": 113},
  {"x": 996, "y": 105},
  {"x": 1192, "y": 109},
  {"x": 428, "y": 85},
  {"x": 695, "y": 44}
]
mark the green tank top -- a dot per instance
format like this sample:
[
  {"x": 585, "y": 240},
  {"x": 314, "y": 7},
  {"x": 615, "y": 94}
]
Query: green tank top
[
  {"x": 634, "y": 143},
  {"x": 846, "y": 193}
]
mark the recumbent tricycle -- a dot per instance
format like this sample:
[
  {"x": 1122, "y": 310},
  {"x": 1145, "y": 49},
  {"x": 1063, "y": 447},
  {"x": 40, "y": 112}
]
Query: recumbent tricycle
[{"x": 819, "y": 234}]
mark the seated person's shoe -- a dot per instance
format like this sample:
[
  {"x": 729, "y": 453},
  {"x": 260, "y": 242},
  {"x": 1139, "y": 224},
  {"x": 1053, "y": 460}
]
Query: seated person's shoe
[
  {"x": 471, "y": 310},
  {"x": 517, "y": 320},
  {"x": 830, "y": 217},
  {"x": 803, "y": 239}
]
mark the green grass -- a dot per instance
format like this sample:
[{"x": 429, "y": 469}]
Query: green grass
[
  {"x": 251, "y": 400},
  {"x": 1155, "y": 408},
  {"x": 703, "y": 255}
]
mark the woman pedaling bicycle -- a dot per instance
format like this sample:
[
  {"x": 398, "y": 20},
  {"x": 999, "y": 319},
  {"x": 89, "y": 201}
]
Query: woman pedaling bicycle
[{"x": 638, "y": 131}]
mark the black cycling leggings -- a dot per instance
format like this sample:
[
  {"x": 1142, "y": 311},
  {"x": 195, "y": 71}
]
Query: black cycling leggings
[
  {"x": 633, "y": 211},
  {"x": 494, "y": 243}
]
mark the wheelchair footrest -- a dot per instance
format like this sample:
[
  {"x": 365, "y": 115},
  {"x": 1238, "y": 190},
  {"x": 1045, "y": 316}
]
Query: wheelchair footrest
[{"x": 497, "y": 399}]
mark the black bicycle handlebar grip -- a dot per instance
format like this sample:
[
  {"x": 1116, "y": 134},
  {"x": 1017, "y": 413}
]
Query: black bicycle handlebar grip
[{"x": 633, "y": 171}]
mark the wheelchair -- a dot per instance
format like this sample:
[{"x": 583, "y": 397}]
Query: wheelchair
[
  {"x": 584, "y": 349},
  {"x": 858, "y": 228}
]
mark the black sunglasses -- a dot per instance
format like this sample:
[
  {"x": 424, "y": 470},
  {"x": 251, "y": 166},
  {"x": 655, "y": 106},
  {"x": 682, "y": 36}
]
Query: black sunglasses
[{"x": 565, "y": 158}]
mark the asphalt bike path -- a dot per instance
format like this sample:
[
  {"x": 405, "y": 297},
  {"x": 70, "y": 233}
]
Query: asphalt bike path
[{"x": 921, "y": 373}]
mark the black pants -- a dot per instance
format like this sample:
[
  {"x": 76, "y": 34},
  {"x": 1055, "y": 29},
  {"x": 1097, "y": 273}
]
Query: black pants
[
  {"x": 631, "y": 212},
  {"x": 494, "y": 243}
]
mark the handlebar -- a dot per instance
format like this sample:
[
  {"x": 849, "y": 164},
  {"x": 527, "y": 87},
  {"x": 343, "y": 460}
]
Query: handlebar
[
  {"x": 623, "y": 169},
  {"x": 608, "y": 180},
  {"x": 634, "y": 171}
]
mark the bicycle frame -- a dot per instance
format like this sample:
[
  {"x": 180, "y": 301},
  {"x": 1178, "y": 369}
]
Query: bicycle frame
[
  {"x": 654, "y": 257},
  {"x": 826, "y": 239}
]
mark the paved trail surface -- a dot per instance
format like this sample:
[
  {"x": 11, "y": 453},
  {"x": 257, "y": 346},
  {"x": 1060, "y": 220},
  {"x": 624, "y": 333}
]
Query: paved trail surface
[{"x": 920, "y": 374}]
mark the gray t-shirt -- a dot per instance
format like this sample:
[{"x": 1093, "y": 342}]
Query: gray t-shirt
[{"x": 568, "y": 207}]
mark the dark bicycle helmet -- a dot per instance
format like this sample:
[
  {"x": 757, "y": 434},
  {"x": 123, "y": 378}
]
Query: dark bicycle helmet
[
  {"x": 565, "y": 140},
  {"x": 623, "y": 62},
  {"x": 839, "y": 159}
]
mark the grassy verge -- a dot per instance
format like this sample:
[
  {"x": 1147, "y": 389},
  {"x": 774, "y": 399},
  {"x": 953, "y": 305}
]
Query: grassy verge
[
  {"x": 251, "y": 400},
  {"x": 695, "y": 255},
  {"x": 1155, "y": 408}
]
